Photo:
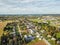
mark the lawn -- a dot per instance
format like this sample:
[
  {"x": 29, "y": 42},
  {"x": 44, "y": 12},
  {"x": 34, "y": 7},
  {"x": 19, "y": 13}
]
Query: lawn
[
  {"x": 58, "y": 35},
  {"x": 52, "y": 42}
]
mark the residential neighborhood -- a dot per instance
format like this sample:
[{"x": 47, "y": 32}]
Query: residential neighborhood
[{"x": 30, "y": 30}]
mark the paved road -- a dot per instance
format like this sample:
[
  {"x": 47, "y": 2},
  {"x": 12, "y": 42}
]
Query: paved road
[{"x": 30, "y": 25}]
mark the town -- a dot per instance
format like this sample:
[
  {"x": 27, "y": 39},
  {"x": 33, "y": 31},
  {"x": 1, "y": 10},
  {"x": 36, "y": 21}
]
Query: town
[{"x": 29, "y": 30}]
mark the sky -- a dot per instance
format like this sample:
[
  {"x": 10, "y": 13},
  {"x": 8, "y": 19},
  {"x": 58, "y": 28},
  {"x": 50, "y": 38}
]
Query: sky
[{"x": 29, "y": 6}]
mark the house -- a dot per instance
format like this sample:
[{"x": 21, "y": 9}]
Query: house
[
  {"x": 42, "y": 31},
  {"x": 53, "y": 38}
]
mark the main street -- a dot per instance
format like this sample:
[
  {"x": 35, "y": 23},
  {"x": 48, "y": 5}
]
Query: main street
[{"x": 30, "y": 26}]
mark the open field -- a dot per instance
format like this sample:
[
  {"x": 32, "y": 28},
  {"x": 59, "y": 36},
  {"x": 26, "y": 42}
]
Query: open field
[{"x": 2, "y": 25}]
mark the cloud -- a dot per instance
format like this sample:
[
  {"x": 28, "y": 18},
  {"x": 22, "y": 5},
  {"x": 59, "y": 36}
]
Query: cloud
[{"x": 29, "y": 6}]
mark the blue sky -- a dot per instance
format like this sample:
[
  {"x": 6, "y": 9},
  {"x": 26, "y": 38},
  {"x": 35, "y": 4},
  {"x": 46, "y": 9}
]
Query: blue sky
[{"x": 29, "y": 6}]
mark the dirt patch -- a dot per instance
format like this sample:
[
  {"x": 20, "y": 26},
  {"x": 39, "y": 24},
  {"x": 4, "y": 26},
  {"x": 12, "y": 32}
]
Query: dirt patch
[{"x": 39, "y": 43}]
